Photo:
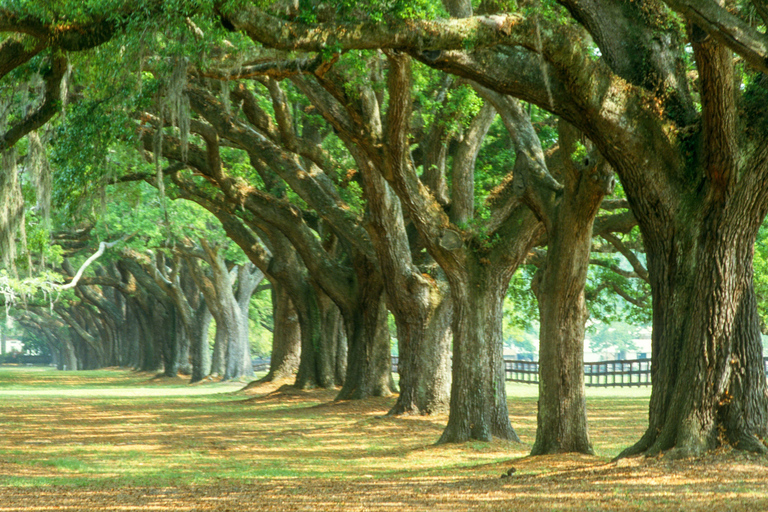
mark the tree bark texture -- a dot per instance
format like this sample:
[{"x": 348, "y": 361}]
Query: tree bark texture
[
  {"x": 424, "y": 361},
  {"x": 332, "y": 356},
  {"x": 200, "y": 348},
  {"x": 218, "y": 356},
  {"x": 369, "y": 364},
  {"x": 478, "y": 395},
  {"x": 707, "y": 370},
  {"x": 559, "y": 286},
  {"x": 170, "y": 342},
  {"x": 248, "y": 278},
  {"x": 132, "y": 335},
  {"x": 151, "y": 358},
  {"x": 309, "y": 309},
  {"x": 286, "y": 337}
]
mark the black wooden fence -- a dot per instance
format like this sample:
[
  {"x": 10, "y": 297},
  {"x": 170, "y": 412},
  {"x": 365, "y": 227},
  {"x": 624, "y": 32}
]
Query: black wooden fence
[
  {"x": 636, "y": 372},
  {"x": 627, "y": 372},
  {"x": 620, "y": 373}
]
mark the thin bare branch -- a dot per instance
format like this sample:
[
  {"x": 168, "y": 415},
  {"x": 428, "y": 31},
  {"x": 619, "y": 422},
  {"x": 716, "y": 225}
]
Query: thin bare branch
[
  {"x": 640, "y": 270},
  {"x": 102, "y": 247}
]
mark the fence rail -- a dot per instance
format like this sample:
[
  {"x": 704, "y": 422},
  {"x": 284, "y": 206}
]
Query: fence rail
[
  {"x": 619, "y": 373},
  {"x": 627, "y": 372}
]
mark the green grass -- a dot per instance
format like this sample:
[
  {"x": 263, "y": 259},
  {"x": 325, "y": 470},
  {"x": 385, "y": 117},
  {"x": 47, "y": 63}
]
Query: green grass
[
  {"x": 24, "y": 378},
  {"x": 132, "y": 440},
  {"x": 84, "y": 438}
]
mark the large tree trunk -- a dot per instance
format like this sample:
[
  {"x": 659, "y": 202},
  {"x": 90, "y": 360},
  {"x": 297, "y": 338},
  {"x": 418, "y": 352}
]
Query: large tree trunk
[
  {"x": 562, "y": 407},
  {"x": 418, "y": 303},
  {"x": 341, "y": 348},
  {"x": 144, "y": 324},
  {"x": 200, "y": 349},
  {"x": 170, "y": 342},
  {"x": 708, "y": 381},
  {"x": 68, "y": 357},
  {"x": 286, "y": 336},
  {"x": 185, "y": 349},
  {"x": 150, "y": 359},
  {"x": 237, "y": 360},
  {"x": 238, "y": 364},
  {"x": 745, "y": 413},
  {"x": 332, "y": 356},
  {"x": 478, "y": 395},
  {"x": 424, "y": 361},
  {"x": 248, "y": 278},
  {"x": 132, "y": 337},
  {"x": 559, "y": 287},
  {"x": 311, "y": 373},
  {"x": 369, "y": 363},
  {"x": 218, "y": 358}
]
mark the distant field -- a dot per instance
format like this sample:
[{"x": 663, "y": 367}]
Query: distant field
[{"x": 120, "y": 440}]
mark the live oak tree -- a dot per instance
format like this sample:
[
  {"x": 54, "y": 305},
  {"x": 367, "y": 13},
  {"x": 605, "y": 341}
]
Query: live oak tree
[
  {"x": 226, "y": 306},
  {"x": 478, "y": 266},
  {"x": 418, "y": 299},
  {"x": 686, "y": 137},
  {"x": 286, "y": 336},
  {"x": 692, "y": 177},
  {"x": 461, "y": 213},
  {"x": 357, "y": 291},
  {"x": 272, "y": 253}
]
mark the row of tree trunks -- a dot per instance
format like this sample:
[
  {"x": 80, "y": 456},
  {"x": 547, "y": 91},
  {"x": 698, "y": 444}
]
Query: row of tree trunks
[
  {"x": 424, "y": 361},
  {"x": 149, "y": 314},
  {"x": 369, "y": 364},
  {"x": 316, "y": 359},
  {"x": 478, "y": 394},
  {"x": 356, "y": 292},
  {"x": 415, "y": 300}
]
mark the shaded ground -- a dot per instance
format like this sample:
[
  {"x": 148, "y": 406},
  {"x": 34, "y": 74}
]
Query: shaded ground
[{"x": 294, "y": 450}]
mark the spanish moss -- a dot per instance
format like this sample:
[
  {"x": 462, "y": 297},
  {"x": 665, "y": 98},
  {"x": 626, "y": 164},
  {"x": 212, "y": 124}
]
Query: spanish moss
[
  {"x": 65, "y": 90},
  {"x": 157, "y": 153},
  {"x": 225, "y": 97},
  {"x": 11, "y": 208},
  {"x": 178, "y": 102},
  {"x": 40, "y": 171}
]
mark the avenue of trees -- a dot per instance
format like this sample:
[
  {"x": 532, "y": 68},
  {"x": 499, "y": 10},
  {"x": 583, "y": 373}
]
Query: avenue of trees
[{"x": 166, "y": 164}]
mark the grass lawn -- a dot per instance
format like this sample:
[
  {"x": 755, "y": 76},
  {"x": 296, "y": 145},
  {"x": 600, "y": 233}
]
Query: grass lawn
[{"x": 121, "y": 440}]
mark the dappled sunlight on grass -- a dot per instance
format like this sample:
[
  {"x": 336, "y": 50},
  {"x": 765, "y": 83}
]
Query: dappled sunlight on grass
[{"x": 274, "y": 448}]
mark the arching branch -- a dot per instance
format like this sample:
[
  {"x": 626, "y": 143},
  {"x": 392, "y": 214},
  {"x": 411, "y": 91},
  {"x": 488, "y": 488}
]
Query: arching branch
[
  {"x": 102, "y": 247},
  {"x": 727, "y": 28}
]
